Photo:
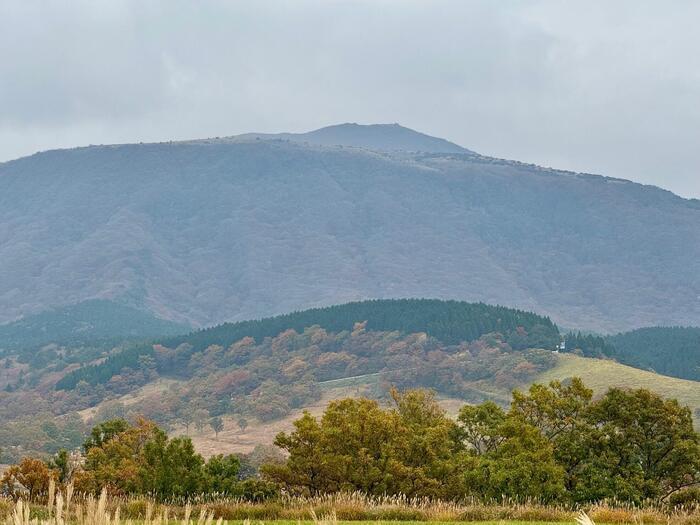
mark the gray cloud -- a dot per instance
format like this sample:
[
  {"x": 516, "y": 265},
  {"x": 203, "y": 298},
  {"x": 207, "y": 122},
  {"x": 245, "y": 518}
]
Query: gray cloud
[{"x": 603, "y": 87}]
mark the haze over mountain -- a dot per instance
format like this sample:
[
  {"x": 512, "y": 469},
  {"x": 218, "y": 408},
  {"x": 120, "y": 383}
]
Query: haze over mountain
[
  {"x": 90, "y": 321},
  {"x": 389, "y": 137},
  {"x": 236, "y": 228}
]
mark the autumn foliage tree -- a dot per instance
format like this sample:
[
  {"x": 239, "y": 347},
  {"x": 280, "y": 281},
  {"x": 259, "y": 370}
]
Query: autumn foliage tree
[
  {"x": 30, "y": 476},
  {"x": 141, "y": 459}
]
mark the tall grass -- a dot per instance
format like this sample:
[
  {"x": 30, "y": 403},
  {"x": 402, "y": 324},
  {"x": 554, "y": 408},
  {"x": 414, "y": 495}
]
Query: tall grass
[
  {"x": 95, "y": 511},
  {"x": 64, "y": 508}
]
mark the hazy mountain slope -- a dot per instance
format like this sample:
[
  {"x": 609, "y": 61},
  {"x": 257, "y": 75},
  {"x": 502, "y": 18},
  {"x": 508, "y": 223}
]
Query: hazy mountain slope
[
  {"x": 92, "y": 320},
  {"x": 234, "y": 229}
]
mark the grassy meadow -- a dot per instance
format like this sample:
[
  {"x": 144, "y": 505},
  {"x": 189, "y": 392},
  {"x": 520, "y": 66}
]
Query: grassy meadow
[{"x": 601, "y": 374}]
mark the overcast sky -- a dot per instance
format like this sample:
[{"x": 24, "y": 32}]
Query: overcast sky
[{"x": 602, "y": 87}]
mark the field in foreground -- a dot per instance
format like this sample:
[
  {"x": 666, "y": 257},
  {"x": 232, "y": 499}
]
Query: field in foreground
[
  {"x": 329, "y": 521},
  {"x": 401, "y": 522},
  {"x": 337, "y": 509}
]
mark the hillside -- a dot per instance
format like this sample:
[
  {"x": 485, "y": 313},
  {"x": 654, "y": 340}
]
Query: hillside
[
  {"x": 451, "y": 322},
  {"x": 262, "y": 380},
  {"x": 203, "y": 232},
  {"x": 87, "y": 322},
  {"x": 600, "y": 374},
  {"x": 265, "y": 372},
  {"x": 673, "y": 351}
]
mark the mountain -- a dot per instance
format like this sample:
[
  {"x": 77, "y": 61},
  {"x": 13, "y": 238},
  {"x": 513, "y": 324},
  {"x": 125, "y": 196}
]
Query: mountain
[
  {"x": 207, "y": 231},
  {"x": 86, "y": 322}
]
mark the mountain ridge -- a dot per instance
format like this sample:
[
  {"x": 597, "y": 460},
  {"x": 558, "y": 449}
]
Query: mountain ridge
[
  {"x": 231, "y": 229},
  {"x": 307, "y": 139},
  {"x": 379, "y": 137}
]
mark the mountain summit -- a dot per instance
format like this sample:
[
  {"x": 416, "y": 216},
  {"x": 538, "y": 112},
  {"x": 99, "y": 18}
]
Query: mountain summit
[
  {"x": 380, "y": 137},
  {"x": 230, "y": 229}
]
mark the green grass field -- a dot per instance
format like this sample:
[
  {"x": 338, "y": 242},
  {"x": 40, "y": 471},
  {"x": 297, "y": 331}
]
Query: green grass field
[{"x": 601, "y": 374}]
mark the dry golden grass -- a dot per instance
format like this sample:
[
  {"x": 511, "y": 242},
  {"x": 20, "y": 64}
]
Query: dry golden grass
[
  {"x": 64, "y": 509},
  {"x": 60, "y": 510}
]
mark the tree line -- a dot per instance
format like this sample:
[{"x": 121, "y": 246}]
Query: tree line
[
  {"x": 554, "y": 444},
  {"x": 667, "y": 350},
  {"x": 136, "y": 459},
  {"x": 673, "y": 351}
]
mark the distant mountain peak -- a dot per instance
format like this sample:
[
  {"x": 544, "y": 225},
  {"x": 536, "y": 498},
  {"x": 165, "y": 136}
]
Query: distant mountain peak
[
  {"x": 380, "y": 137},
  {"x": 391, "y": 137}
]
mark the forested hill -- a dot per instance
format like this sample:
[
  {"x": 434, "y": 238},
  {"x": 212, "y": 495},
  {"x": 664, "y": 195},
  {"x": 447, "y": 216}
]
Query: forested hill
[
  {"x": 451, "y": 322},
  {"x": 673, "y": 351},
  {"x": 210, "y": 231}
]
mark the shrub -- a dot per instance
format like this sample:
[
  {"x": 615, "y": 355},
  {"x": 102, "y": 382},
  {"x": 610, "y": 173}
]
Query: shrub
[
  {"x": 688, "y": 498},
  {"x": 5, "y": 508},
  {"x": 135, "y": 509},
  {"x": 256, "y": 490}
]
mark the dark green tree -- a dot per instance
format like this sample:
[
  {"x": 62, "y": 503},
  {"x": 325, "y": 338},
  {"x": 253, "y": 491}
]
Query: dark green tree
[
  {"x": 221, "y": 474},
  {"x": 61, "y": 464},
  {"x": 172, "y": 467},
  {"x": 521, "y": 467},
  {"x": 217, "y": 425},
  {"x": 645, "y": 445},
  {"x": 480, "y": 426},
  {"x": 105, "y": 431}
]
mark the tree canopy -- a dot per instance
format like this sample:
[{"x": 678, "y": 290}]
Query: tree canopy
[{"x": 555, "y": 444}]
